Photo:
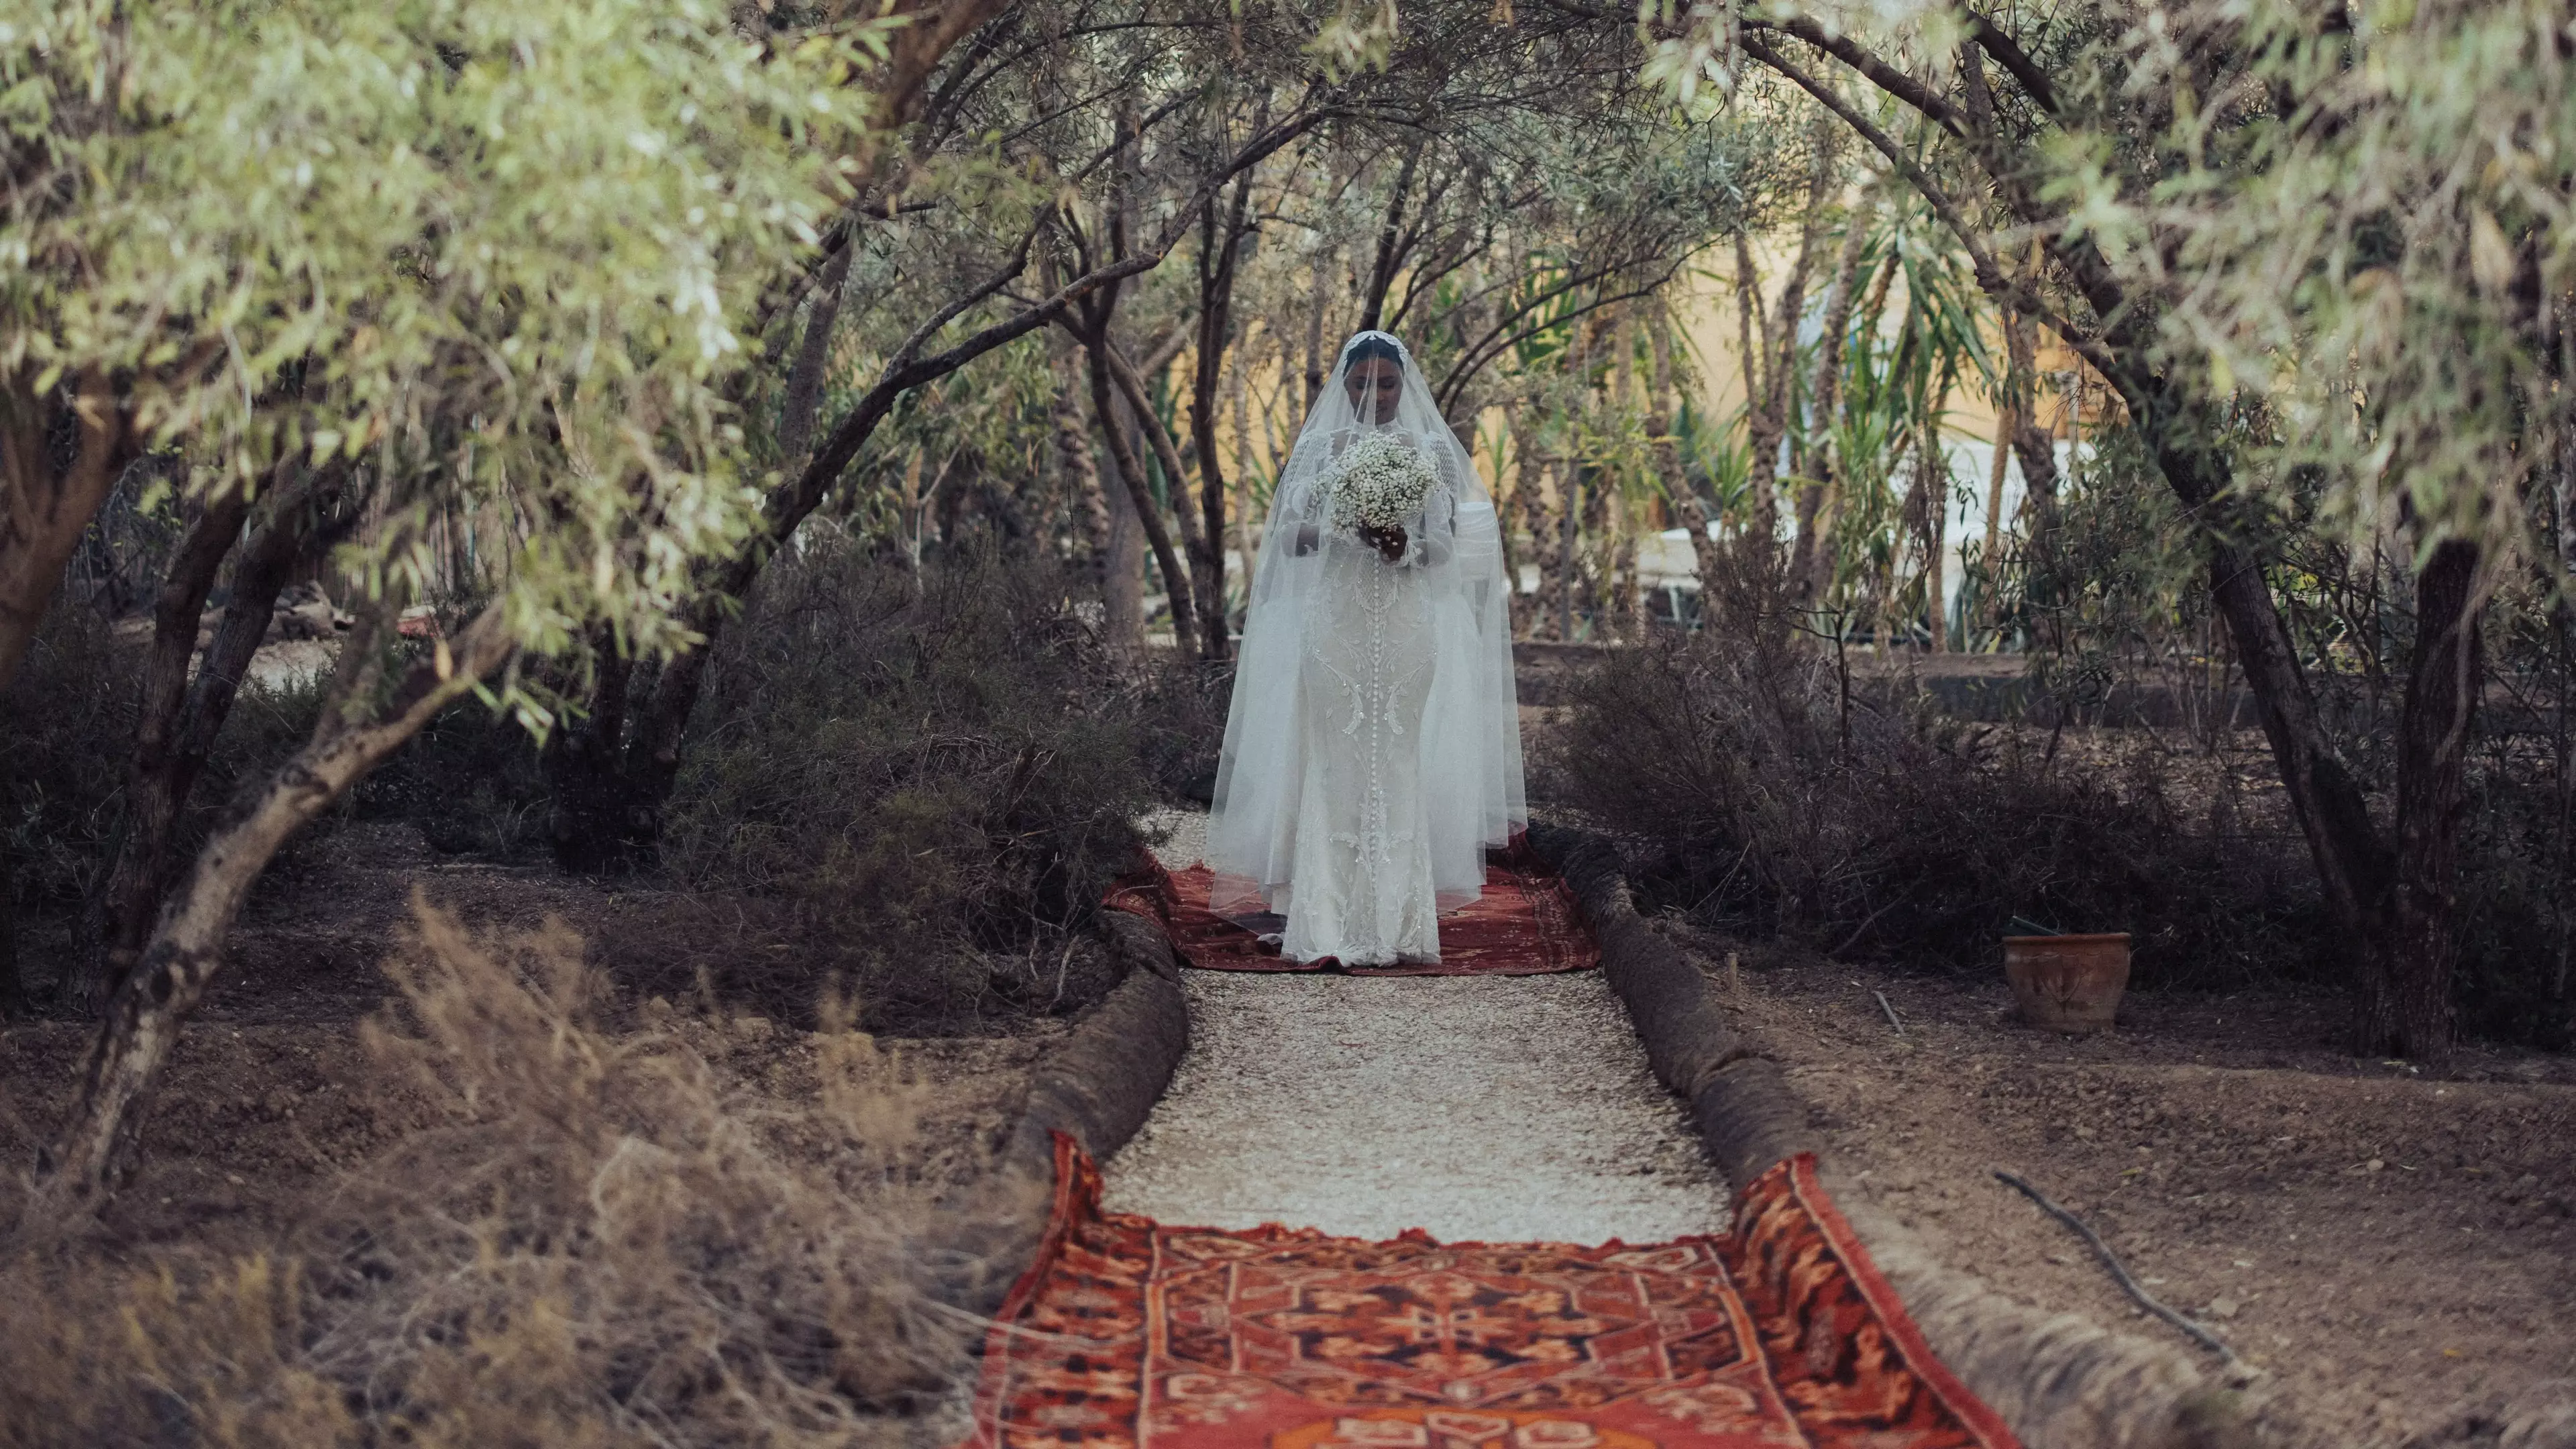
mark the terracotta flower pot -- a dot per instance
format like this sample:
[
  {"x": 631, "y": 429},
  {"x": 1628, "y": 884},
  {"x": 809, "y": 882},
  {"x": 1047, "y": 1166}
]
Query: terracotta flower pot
[{"x": 2068, "y": 983}]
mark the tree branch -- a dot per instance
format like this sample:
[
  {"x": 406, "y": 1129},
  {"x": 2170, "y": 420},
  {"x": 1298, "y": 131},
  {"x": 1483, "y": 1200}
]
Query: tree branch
[
  {"x": 1140, "y": 402},
  {"x": 1498, "y": 338},
  {"x": 97, "y": 1147},
  {"x": 2008, "y": 53},
  {"x": 1881, "y": 74},
  {"x": 1990, "y": 276}
]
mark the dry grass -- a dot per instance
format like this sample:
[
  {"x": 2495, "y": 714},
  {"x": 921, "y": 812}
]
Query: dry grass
[{"x": 605, "y": 1235}]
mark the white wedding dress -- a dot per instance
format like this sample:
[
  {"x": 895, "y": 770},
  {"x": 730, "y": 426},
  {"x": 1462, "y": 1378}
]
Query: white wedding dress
[{"x": 1373, "y": 747}]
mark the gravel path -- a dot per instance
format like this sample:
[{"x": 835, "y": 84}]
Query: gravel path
[{"x": 1499, "y": 1109}]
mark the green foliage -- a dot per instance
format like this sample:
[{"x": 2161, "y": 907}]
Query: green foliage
[
  {"x": 975, "y": 441},
  {"x": 470, "y": 780},
  {"x": 2116, "y": 584},
  {"x": 480, "y": 250},
  {"x": 2349, "y": 215}
]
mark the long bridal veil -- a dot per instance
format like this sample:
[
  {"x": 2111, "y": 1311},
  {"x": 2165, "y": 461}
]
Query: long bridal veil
[{"x": 1468, "y": 752}]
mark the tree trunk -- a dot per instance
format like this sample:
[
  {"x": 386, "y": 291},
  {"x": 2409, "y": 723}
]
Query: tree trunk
[
  {"x": 2404, "y": 1007},
  {"x": 1626, "y": 593},
  {"x": 652, "y": 756},
  {"x": 1131, "y": 472},
  {"x": 2360, "y": 876},
  {"x": 181, "y": 721},
  {"x": 2354, "y": 868},
  {"x": 43, "y": 512},
  {"x": 597, "y": 823},
  {"x": 1247, "y": 543},
  {"x": 154, "y": 793},
  {"x": 1662, "y": 390},
  {"x": 1824, "y": 392},
  {"x": 1081, "y": 469},
  {"x": 1761, "y": 432},
  {"x": 1317, "y": 366},
  {"x": 1191, "y": 625},
  {"x": 1768, "y": 416},
  {"x": 1936, "y": 535},
  {"x": 1390, "y": 246},
  {"x": 1123, "y": 599},
  {"x": 1219, "y": 250},
  {"x": 1569, "y": 504},
  {"x": 1706, "y": 560},
  {"x": 1994, "y": 600},
  {"x": 2033, "y": 448},
  {"x": 607, "y": 789},
  {"x": 651, "y": 766},
  {"x": 2562, "y": 436},
  {"x": 813, "y": 358},
  {"x": 96, "y": 1150},
  {"x": 1910, "y": 531},
  {"x": 1525, "y": 517},
  {"x": 1598, "y": 542},
  {"x": 1546, "y": 508}
]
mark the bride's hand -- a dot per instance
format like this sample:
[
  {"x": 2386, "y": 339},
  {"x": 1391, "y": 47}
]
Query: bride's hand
[{"x": 1389, "y": 542}]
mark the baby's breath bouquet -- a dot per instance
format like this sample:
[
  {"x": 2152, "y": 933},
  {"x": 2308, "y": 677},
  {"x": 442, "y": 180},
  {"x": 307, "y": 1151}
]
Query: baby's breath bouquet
[{"x": 1378, "y": 482}]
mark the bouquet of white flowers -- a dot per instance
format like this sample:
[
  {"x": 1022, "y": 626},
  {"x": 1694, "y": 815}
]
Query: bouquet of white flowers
[{"x": 1378, "y": 482}]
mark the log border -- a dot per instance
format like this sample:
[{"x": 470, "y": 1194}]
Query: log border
[
  {"x": 1096, "y": 1086},
  {"x": 1104, "y": 1078},
  {"x": 2060, "y": 1380}
]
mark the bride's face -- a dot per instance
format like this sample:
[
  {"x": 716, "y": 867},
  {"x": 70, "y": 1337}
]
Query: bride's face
[{"x": 1375, "y": 384}]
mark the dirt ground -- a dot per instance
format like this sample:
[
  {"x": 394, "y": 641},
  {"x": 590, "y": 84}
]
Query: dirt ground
[
  {"x": 2388, "y": 1246},
  {"x": 268, "y": 1094}
]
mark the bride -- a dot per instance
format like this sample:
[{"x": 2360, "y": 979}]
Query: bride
[{"x": 1373, "y": 749}]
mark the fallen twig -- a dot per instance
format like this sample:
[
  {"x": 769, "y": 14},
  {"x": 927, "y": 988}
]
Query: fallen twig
[
  {"x": 2128, "y": 1285},
  {"x": 1871, "y": 920},
  {"x": 1891, "y": 1012}
]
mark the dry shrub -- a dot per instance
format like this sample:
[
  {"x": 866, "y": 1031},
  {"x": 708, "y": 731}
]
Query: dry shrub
[
  {"x": 1757, "y": 795},
  {"x": 67, "y": 721},
  {"x": 62, "y": 794},
  {"x": 605, "y": 1239},
  {"x": 1183, "y": 717},
  {"x": 938, "y": 771},
  {"x": 470, "y": 780}
]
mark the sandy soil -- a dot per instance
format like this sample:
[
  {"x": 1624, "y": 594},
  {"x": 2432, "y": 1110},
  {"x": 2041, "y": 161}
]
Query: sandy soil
[{"x": 2385, "y": 1245}]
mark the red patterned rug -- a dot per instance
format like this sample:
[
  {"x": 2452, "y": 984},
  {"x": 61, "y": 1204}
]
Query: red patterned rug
[
  {"x": 1781, "y": 1335},
  {"x": 1525, "y": 924}
]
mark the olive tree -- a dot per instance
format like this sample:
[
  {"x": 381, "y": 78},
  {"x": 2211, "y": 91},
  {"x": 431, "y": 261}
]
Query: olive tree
[
  {"x": 2321, "y": 255},
  {"x": 1061, "y": 155},
  {"x": 354, "y": 263}
]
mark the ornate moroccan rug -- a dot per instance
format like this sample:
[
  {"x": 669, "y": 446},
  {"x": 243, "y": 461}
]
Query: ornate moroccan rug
[
  {"x": 1781, "y": 1335},
  {"x": 1525, "y": 924}
]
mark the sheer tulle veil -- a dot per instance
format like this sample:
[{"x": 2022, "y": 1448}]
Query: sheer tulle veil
[{"x": 1470, "y": 745}]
